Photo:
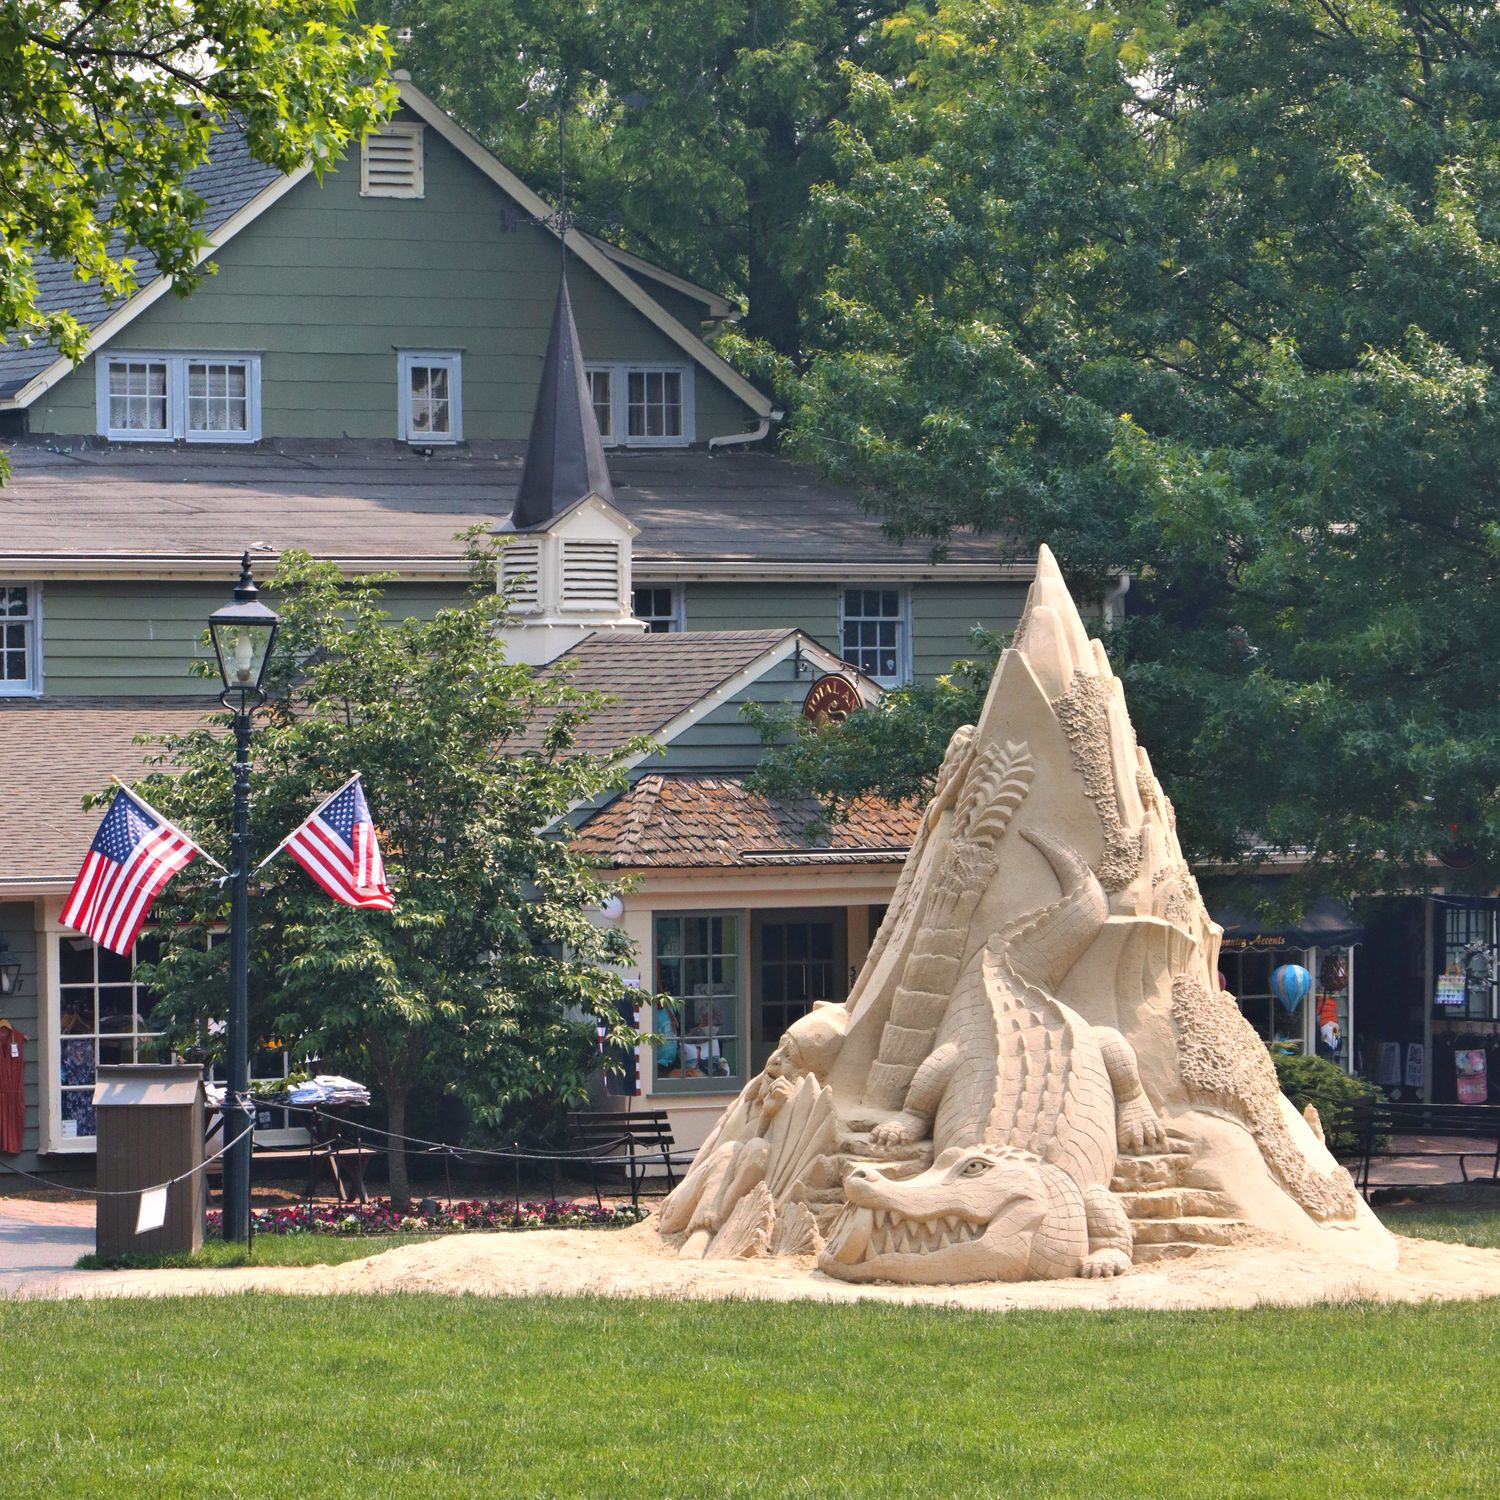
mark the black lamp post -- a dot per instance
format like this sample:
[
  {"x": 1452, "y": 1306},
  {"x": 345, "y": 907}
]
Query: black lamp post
[{"x": 243, "y": 633}]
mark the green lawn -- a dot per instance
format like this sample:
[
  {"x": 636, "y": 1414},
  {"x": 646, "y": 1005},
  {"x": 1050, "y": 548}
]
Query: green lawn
[
  {"x": 1459, "y": 1224},
  {"x": 267, "y": 1250},
  {"x": 426, "y": 1396}
]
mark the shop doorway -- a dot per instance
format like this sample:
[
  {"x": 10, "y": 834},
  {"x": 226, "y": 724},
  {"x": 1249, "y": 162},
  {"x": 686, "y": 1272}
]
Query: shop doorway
[{"x": 798, "y": 955}]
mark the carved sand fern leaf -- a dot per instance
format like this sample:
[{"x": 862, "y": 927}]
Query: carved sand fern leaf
[{"x": 996, "y": 786}]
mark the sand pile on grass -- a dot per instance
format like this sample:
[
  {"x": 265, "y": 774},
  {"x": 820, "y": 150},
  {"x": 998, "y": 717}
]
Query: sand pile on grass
[{"x": 632, "y": 1262}]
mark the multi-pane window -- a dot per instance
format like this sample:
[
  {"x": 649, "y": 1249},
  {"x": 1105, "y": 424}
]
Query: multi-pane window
[
  {"x": 697, "y": 959},
  {"x": 874, "y": 633},
  {"x": 138, "y": 397},
  {"x": 20, "y": 658},
  {"x": 430, "y": 398},
  {"x": 642, "y": 406},
  {"x": 659, "y": 605},
  {"x": 218, "y": 398},
  {"x": 797, "y": 966},
  {"x": 654, "y": 405},
  {"x": 601, "y": 393},
  {"x": 103, "y": 1018},
  {"x": 196, "y": 397}
]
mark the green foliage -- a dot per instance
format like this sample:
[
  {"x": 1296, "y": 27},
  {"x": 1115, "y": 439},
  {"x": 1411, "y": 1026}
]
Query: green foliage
[
  {"x": 893, "y": 748},
  {"x": 108, "y": 107},
  {"x": 1328, "y": 1088},
  {"x": 486, "y": 978},
  {"x": 695, "y": 132},
  {"x": 1210, "y": 293}
]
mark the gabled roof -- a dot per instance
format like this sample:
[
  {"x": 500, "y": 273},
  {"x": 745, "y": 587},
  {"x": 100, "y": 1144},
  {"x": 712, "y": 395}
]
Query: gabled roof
[
  {"x": 693, "y": 821},
  {"x": 239, "y": 189},
  {"x": 56, "y": 751},
  {"x": 662, "y": 684}
]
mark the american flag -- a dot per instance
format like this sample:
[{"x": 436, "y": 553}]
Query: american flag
[
  {"x": 134, "y": 854},
  {"x": 338, "y": 848}
]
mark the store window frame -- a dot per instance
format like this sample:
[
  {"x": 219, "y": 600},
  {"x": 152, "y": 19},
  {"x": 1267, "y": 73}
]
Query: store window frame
[
  {"x": 29, "y": 624},
  {"x": 678, "y": 1024},
  {"x": 769, "y": 967}
]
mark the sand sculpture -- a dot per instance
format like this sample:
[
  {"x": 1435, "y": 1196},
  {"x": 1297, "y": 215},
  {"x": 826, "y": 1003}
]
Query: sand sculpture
[{"x": 1036, "y": 1074}]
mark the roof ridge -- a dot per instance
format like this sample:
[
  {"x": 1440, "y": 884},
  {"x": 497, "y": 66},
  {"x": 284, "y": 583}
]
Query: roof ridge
[{"x": 640, "y": 812}]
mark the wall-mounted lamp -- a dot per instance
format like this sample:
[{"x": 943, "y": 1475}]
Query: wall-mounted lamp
[
  {"x": 10, "y": 971},
  {"x": 611, "y": 908}
]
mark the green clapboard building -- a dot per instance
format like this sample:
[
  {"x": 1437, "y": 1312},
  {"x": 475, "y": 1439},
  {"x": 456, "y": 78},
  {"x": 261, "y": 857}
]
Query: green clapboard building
[{"x": 360, "y": 379}]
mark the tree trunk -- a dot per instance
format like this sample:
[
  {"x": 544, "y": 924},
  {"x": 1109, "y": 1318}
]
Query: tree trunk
[{"x": 395, "y": 1122}]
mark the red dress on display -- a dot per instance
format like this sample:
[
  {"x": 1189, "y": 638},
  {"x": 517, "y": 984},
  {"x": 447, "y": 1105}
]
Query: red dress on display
[{"x": 12, "y": 1092}]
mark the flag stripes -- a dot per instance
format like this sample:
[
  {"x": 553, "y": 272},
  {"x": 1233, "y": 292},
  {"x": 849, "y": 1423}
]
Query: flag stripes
[
  {"x": 134, "y": 854},
  {"x": 338, "y": 847}
]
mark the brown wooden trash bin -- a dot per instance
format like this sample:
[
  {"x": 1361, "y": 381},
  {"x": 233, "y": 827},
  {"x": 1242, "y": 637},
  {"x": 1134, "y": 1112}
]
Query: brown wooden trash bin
[{"x": 149, "y": 1120}]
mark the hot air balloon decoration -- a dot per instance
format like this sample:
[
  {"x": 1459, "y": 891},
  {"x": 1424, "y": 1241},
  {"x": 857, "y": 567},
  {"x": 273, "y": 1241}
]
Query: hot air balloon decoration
[{"x": 1291, "y": 984}]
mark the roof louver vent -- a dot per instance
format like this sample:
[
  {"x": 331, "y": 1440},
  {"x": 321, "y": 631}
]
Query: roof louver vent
[
  {"x": 591, "y": 575},
  {"x": 518, "y": 574},
  {"x": 390, "y": 162}
]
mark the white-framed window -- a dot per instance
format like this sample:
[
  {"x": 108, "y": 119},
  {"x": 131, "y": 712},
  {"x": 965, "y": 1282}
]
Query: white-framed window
[
  {"x": 660, "y": 606},
  {"x": 198, "y": 398},
  {"x": 643, "y": 405},
  {"x": 696, "y": 957},
  {"x": 390, "y": 161},
  {"x": 20, "y": 640},
  {"x": 875, "y": 629},
  {"x": 430, "y": 396}
]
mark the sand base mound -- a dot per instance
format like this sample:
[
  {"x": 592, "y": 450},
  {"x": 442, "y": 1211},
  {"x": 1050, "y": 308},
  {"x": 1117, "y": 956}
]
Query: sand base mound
[{"x": 634, "y": 1263}]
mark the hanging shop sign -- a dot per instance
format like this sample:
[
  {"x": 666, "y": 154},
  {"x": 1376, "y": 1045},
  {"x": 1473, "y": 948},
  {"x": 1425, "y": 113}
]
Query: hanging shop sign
[{"x": 830, "y": 700}]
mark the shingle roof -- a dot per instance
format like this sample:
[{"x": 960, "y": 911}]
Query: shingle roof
[
  {"x": 375, "y": 502},
  {"x": 651, "y": 679},
  {"x": 684, "y": 821},
  {"x": 226, "y": 182},
  {"x": 52, "y": 752}
]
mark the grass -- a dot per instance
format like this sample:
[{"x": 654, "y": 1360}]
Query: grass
[
  {"x": 354, "y": 1397},
  {"x": 1458, "y": 1224},
  {"x": 267, "y": 1250}
]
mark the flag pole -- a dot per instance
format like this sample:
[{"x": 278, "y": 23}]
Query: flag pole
[
  {"x": 303, "y": 824},
  {"x": 165, "y": 819}
]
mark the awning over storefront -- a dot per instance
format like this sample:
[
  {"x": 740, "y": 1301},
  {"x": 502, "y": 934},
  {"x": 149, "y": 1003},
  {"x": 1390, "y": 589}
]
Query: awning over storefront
[{"x": 1325, "y": 924}]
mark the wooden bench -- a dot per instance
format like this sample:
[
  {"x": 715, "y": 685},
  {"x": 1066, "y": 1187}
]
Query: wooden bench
[
  {"x": 1371, "y": 1127},
  {"x": 631, "y": 1142}
]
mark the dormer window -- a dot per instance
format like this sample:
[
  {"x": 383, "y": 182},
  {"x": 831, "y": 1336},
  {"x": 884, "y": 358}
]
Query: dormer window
[
  {"x": 431, "y": 392},
  {"x": 390, "y": 162}
]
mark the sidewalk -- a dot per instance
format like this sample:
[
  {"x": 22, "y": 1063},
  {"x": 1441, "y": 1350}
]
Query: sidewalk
[{"x": 40, "y": 1241}]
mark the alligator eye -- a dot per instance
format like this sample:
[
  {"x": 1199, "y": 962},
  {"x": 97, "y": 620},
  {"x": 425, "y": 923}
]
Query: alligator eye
[{"x": 976, "y": 1168}]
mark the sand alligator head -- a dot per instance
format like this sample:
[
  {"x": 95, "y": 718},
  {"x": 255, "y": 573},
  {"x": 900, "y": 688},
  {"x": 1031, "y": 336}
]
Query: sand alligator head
[{"x": 974, "y": 1215}]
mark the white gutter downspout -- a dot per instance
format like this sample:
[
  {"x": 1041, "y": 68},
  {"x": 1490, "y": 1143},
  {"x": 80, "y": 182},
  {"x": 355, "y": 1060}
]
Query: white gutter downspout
[
  {"x": 1114, "y": 598},
  {"x": 746, "y": 437}
]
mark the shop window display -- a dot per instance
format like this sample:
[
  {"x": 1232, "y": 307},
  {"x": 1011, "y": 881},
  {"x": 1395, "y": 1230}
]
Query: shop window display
[
  {"x": 103, "y": 1018},
  {"x": 697, "y": 959}
]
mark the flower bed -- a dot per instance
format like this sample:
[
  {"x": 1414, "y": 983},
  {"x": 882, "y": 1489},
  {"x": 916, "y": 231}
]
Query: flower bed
[{"x": 448, "y": 1218}]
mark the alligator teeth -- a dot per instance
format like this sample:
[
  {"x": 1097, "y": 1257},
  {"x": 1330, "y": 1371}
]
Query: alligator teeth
[{"x": 952, "y": 1221}]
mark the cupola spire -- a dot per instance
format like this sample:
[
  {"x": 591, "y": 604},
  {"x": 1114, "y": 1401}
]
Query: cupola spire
[{"x": 565, "y": 454}]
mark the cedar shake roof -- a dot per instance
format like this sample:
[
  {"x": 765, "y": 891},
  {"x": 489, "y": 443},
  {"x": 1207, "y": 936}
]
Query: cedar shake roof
[
  {"x": 52, "y": 752},
  {"x": 650, "y": 678},
  {"x": 83, "y": 505},
  {"x": 684, "y": 821}
]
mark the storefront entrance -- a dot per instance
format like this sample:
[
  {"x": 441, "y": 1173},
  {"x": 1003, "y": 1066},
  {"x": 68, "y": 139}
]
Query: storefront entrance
[{"x": 797, "y": 957}]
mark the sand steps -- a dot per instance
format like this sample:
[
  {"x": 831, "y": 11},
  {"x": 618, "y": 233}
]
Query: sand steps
[{"x": 1170, "y": 1221}]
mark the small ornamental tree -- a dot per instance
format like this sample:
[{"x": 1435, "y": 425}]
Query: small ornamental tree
[{"x": 487, "y": 978}]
